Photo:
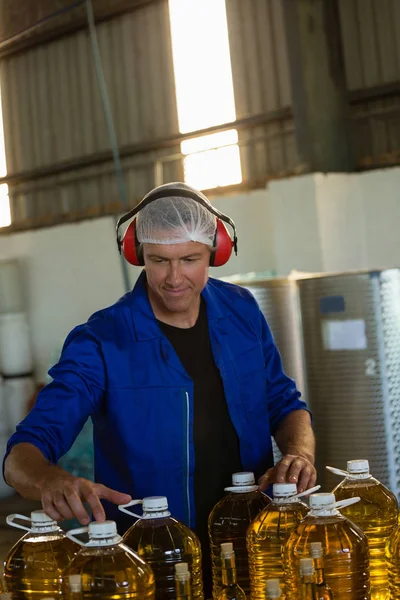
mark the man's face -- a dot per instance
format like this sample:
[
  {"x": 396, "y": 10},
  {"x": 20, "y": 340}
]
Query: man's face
[{"x": 176, "y": 274}]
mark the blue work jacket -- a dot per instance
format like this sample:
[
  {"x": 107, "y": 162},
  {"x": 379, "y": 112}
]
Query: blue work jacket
[{"x": 119, "y": 369}]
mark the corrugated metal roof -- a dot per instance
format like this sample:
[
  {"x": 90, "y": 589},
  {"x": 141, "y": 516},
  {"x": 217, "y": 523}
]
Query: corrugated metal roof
[
  {"x": 19, "y": 19},
  {"x": 53, "y": 116},
  {"x": 53, "y": 112},
  {"x": 371, "y": 41},
  {"x": 51, "y": 99},
  {"x": 260, "y": 65},
  {"x": 260, "y": 71}
]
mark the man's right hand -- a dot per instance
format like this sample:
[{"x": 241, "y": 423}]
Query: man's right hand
[{"x": 63, "y": 497}]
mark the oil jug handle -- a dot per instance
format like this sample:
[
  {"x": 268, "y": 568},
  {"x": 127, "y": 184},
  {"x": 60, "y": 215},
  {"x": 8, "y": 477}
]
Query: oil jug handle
[
  {"x": 71, "y": 535},
  {"x": 346, "y": 502},
  {"x": 308, "y": 492},
  {"x": 123, "y": 508},
  {"x": 10, "y": 521},
  {"x": 266, "y": 495},
  {"x": 337, "y": 471}
]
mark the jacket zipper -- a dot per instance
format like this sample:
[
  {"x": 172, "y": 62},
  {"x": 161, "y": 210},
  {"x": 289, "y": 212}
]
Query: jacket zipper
[{"x": 187, "y": 458}]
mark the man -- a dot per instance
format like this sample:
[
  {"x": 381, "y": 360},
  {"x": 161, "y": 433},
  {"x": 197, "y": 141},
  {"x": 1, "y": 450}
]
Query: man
[{"x": 181, "y": 378}]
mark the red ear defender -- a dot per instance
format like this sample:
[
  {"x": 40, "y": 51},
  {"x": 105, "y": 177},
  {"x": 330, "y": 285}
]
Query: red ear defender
[
  {"x": 223, "y": 243},
  {"x": 130, "y": 245},
  {"x": 223, "y": 246}
]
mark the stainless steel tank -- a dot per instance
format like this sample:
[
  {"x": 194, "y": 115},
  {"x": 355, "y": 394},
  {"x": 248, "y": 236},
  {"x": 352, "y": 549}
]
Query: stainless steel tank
[
  {"x": 278, "y": 300},
  {"x": 351, "y": 338}
]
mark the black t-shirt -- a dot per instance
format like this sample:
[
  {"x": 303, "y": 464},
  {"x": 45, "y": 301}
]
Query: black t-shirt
[{"x": 216, "y": 443}]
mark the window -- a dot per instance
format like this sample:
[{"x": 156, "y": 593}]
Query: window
[
  {"x": 5, "y": 216},
  {"x": 204, "y": 91}
]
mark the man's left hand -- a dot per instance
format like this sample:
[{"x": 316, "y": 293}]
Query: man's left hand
[{"x": 292, "y": 468}]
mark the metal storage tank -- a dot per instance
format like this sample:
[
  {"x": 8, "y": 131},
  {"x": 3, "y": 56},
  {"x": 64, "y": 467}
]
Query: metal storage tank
[
  {"x": 351, "y": 337},
  {"x": 277, "y": 298}
]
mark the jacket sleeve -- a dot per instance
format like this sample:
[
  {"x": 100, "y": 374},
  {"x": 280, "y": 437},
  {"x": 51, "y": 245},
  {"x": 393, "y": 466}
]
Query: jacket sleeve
[
  {"x": 63, "y": 406},
  {"x": 283, "y": 396}
]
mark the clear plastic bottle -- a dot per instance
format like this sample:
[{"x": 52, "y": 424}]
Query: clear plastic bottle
[
  {"x": 108, "y": 568},
  {"x": 182, "y": 582},
  {"x": 228, "y": 522},
  {"x": 75, "y": 587},
  {"x": 33, "y": 567},
  {"x": 267, "y": 534},
  {"x": 376, "y": 514},
  {"x": 163, "y": 541},
  {"x": 344, "y": 545},
  {"x": 307, "y": 575},
  {"x": 393, "y": 564},
  {"x": 392, "y": 555},
  {"x": 322, "y": 590},
  {"x": 273, "y": 590},
  {"x": 230, "y": 589}
]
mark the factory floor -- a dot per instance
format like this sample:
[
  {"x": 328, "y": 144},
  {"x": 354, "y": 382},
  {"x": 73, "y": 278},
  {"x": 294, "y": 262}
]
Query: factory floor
[{"x": 9, "y": 535}]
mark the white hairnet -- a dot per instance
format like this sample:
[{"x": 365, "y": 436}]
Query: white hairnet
[{"x": 175, "y": 220}]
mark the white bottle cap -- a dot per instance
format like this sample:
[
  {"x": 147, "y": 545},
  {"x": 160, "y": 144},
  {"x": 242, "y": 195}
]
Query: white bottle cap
[
  {"x": 273, "y": 588},
  {"x": 102, "y": 529},
  {"x": 307, "y": 566},
  {"x": 322, "y": 499},
  {"x": 284, "y": 490},
  {"x": 75, "y": 583},
  {"x": 155, "y": 504},
  {"x": 226, "y": 550},
  {"x": 181, "y": 569},
  {"x": 244, "y": 478},
  {"x": 316, "y": 550},
  {"x": 39, "y": 517},
  {"x": 357, "y": 466}
]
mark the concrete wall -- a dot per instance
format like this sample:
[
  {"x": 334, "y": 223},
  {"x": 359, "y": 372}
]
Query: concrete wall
[
  {"x": 337, "y": 222},
  {"x": 69, "y": 272},
  {"x": 252, "y": 216},
  {"x": 310, "y": 223},
  {"x": 295, "y": 224}
]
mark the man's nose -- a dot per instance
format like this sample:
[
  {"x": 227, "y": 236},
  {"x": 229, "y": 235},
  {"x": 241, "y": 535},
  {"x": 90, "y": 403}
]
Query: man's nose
[{"x": 175, "y": 274}]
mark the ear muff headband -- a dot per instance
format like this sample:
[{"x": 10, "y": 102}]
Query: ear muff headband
[{"x": 185, "y": 193}]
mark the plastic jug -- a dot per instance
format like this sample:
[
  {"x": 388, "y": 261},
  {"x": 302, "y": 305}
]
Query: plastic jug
[
  {"x": 33, "y": 567},
  {"x": 228, "y": 522},
  {"x": 163, "y": 541},
  {"x": 268, "y": 533},
  {"x": 376, "y": 514},
  {"x": 344, "y": 546},
  {"x": 108, "y": 568}
]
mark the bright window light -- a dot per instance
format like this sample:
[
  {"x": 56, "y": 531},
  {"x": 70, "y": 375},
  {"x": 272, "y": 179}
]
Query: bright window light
[
  {"x": 204, "y": 90},
  {"x": 5, "y": 216},
  {"x": 205, "y": 168}
]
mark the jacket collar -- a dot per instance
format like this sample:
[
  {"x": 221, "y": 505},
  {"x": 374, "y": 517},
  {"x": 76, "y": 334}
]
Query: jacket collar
[{"x": 144, "y": 321}]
